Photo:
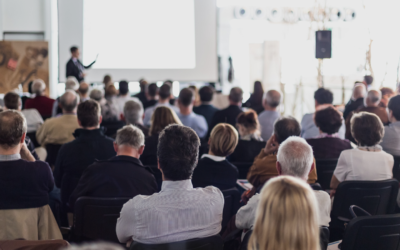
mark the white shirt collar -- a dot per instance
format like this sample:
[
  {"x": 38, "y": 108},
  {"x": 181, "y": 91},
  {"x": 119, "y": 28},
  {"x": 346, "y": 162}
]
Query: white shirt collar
[
  {"x": 13, "y": 157},
  {"x": 185, "y": 184},
  {"x": 213, "y": 157}
]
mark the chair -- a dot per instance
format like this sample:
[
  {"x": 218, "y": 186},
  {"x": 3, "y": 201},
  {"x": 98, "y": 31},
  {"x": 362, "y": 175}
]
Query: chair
[
  {"x": 32, "y": 244},
  {"x": 209, "y": 243},
  {"x": 245, "y": 241},
  {"x": 325, "y": 168},
  {"x": 243, "y": 168},
  {"x": 96, "y": 218},
  {"x": 111, "y": 127},
  {"x": 32, "y": 136},
  {"x": 396, "y": 168},
  {"x": 157, "y": 174},
  {"x": 231, "y": 205},
  {"x": 52, "y": 153}
]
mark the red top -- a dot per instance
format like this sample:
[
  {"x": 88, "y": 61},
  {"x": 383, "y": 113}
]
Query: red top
[{"x": 43, "y": 104}]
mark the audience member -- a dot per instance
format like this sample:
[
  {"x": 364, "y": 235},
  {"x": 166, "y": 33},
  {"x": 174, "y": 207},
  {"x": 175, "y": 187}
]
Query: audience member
[
  {"x": 26, "y": 97},
  {"x": 328, "y": 145},
  {"x": 287, "y": 217},
  {"x": 70, "y": 84},
  {"x": 109, "y": 110},
  {"x": 83, "y": 91},
  {"x": 151, "y": 95},
  {"x": 133, "y": 113},
  {"x": 195, "y": 90},
  {"x": 40, "y": 102},
  {"x": 123, "y": 97},
  {"x": 213, "y": 168},
  {"x": 391, "y": 139},
  {"x": 367, "y": 162},
  {"x": 387, "y": 93},
  {"x": 357, "y": 99},
  {"x": 110, "y": 92},
  {"x": 107, "y": 81},
  {"x": 196, "y": 212},
  {"x": 59, "y": 130},
  {"x": 267, "y": 118},
  {"x": 255, "y": 101},
  {"x": 90, "y": 144},
  {"x": 368, "y": 80},
  {"x": 120, "y": 176},
  {"x": 188, "y": 118},
  {"x": 205, "y": 108},
  {"x": 250, "y": 142},
  {"x": 142, "y": 94}
]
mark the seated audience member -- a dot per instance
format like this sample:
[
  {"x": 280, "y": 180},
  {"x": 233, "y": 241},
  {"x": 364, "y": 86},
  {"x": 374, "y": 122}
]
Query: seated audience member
[
  {"x": 25, "y": 97},
  {"x": 295, "y": 158},
  {"x": 371, "y": 106},
  {"x": 59, "y": 130},
  {"x": 71, "y": 84},
  {"x": 142, "y": 94},
  {"x": 107, "y": 81},
  {"x": 250, "y": 142},
  {"x": 267, "y": 118},
  {"x": 83, "y": 91},
  {"x": 205, "y": 108},
  {"x": 328, "y": 145},
  {"x": 193, "y": 212},
  {"x": 151, "y": 95},
  {"x": 122, "y": 175},
  {"x": 357, "y": 99},
  {"x": 40, "y": 102},
  {"x": 387, "y": 93},
  {"x": 367, "y": 162},
  {"x": 213, "y": 168},
  {"x": 109, "y": 111},
  {"x": 164, "y": 94},
  {"x": 188, "y": 118},
  {"x": 229, "y": 114},
  {"x": 323, "y": 97},
  {"x": 133, "y": 113},
  {"x": 255, "y": 101},
  {"x": 162, "y": 117},
  {"x": 195, "y": 90},
  {"x": 287, "y": 217},
  {"x": 391, "y": 139},
  {"x": 368, "y": 81},
  {"x": 123, "y": 97},
  {"x": 90, "y": 144}
]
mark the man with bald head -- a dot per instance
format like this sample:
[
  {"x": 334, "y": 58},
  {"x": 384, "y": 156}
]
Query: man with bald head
[
  {"x": 59, "y": 130},
  {"x": 357, "y": 99},
  {"x": 267, "y": 118}
]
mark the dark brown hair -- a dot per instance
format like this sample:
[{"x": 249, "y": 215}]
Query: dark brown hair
[
  {"x": 367, "y": 129},
  {"x": 328, "y": 120},
  {"x": 249, "y": 120},
  {"x": 89, "y": 113},
  {"x": 12, "y": 100}
]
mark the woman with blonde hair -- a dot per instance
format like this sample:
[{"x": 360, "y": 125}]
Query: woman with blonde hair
[{"x": 287, "y": 217}]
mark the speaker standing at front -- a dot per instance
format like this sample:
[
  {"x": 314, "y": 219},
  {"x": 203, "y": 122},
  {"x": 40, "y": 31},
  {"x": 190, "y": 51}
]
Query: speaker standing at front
[{"x": 323, "y": 44}]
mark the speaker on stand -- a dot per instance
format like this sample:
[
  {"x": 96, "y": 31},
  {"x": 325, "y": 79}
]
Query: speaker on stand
[{"x": 323, "y": 44}]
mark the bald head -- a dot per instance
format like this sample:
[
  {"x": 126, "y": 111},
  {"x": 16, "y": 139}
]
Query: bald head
[
  {"x": 359, "y": 91},
  {"x": 272, "y": 99},
  {"x": 373, "y": 98},
  {"x": 69, "y": 101},
  {"x": 12, "y": 129}
]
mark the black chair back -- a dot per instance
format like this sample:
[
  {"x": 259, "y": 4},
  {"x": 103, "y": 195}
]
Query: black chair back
[
  {"x": 396, "y": 168},
  {"x": 231, "y": 205},
  {"x": 243, "y": 168},
  {"x": 52, "y": 153},
  {"x": 325, "y": 168},
  {"x": 372, "y": 233},
  {"x": 209, "y": 243},
  {"x": 111, "y": 127},
  {"x": 32, "y": 136},
  {"x": 96, "y": 218},
  {"x": 246, "y": 239}
]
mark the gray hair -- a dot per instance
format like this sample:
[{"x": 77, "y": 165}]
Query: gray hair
[
  {"x": 295, "y": 157},
  {"x": 95, "y": 246},
  {"x": 374, "y": 96},
  {"x": 71, "y": 83},
  {"x": 38, "y": 86},
  {"x": 133, "y": 112},
  {"x": 272, "y": 98},
  {"x": 12, "y": 127},
  {"x": 69, "y": 100},
  {"x": 96, "y": 94},
  {"x": 131, "y": 136},
  {"x": 359, "y": 91}
]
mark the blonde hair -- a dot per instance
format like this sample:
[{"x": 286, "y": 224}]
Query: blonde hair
[
  {"x": 223, "y": 139},
  {"x": 286, "y": 217},
  {"x": 162, "y": 117}
]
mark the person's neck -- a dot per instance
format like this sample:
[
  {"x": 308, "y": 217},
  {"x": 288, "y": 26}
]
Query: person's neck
[
  {"x": 269, "y": 108},
  {"x": 150, "y": 98},
  {"x": 85, "y": 96},
  {"x": 128, "y": 151},
  {"x": 68, "y": 112},
  {"x": 91, "y": 128},
  {"x": 163, "y": 101},
  {"x": 10, "y": 151},
  {"x": 186, "y": 110},
  {"x": 239, "y": 104},
  {"x": 205, "y": 103},
  {"x": 372, "y": 105},
  {"x": 123, "y": 95}
]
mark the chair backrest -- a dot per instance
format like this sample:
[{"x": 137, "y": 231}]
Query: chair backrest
[
  {"x": 111, "y": 127},
  {"x": 209, "y": 243},
  {"x": 325, "y": 169},
  {"x": 96, "y": 218},
  {"x": 372, "y": 233},
  {"x": 32, "y": 244},
  {"x": 376, "y": 197},
  {"x": 396, "y": 168},
  {"x": 243, "y": 168},
  {"x": 231, "y": 205},
  {"x": 52, "y": 153},
  {"x": 245, "y": 241}
]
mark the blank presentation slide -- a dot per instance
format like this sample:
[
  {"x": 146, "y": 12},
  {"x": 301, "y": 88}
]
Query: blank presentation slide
[{"x": 139, "y": 34}]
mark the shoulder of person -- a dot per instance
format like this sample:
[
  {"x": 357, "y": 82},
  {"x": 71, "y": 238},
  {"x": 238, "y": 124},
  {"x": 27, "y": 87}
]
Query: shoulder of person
[{"x": 212, "y": 191}]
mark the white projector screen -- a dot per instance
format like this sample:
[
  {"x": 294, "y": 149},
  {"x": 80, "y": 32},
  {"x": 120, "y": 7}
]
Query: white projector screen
[{"x": 155, "y": 39}]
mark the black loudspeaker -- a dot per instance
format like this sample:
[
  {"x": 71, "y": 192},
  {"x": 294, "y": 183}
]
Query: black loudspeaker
[{"x": 323, "y": 44}]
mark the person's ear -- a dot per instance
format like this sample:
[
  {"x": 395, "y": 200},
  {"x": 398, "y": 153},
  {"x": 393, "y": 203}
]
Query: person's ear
[
  {"x": 141, "y": 149},
  {"x": 80, "y": 124},
  {"x": 209, "y": 141},
  {"x": 312, "y": 166},
  {"x": 23, "y": 138},
  {"x": 279, "y": 168},
  {"x": 122, "y": 117},
  {"x": 100, "y": 119},
  {"x": 115, "y": 147}
]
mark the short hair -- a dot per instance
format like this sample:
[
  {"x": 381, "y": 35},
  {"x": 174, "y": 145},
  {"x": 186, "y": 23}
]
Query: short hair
[
  {"x": 394, "y": 106},
  {"x": 236, "y": 95},
  {"x": 177, "y": 152},
  {"x": 206, "y": 94},
  {"x": 123, "y": 87},
  {"x": 133, "y": 112},
  {"x": 71, "y": 83},
  {"x": 285, "y": 127},
  {"x": 249, "y": 120},
  {"x": 38, "y": 86},
  {"x": 161, "y": 118},
  {"x": 96, "y": 94},
  {"x": 374, "y": 96},
  {"x": 131, "y": 136},
  {"x": 387, "y": 91},
  {"x": 223, "y": 139},
  {"x": 186, "y": 97},
  {"x": 83, "y": 88},
  {"x": 69, "y": 100},
  {"x": 368, "y": 79},
  {"x": 323, "y": 96},
  {"x": 328, "y": 120},
  {"x": 152, "y": 89},
  {"x": 106, "y": 79},
  {"x": 89, "y": 113},
  {"x": 12, "y": 127},
  {"x": 165, "y": 91},
  {"x": 111, "y": 90},
  {"x": 367, "y": 129},
  {"x": 295, "y": 157},
  {"x": 12, "y": 100},
  {"x": 73, "y": 49},
  {"x": 272, "y": 98}
]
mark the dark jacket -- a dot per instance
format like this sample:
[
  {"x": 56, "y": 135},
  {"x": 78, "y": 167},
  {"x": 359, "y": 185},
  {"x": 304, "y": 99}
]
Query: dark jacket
[
  {"x": 246, "y": 151},
  {"x": 120, "y": 176},
  {"x": 328, "y": 147},
  {"x": 227, "y": 115},
  {"x": 74, "y": 157},
  {"x": 352, "y": 105},
  {"x": 149, "y": 103},
  {"x": 141, "y": 96},
  {"x": 149, "y": 156},
  {"x": 25, "y": 184},
  {"x": 206, "y": 110},
  {"x": 220, "y": 174},
  {"x": 73, "y": 70},
  {"x": 254, "y": 104}
]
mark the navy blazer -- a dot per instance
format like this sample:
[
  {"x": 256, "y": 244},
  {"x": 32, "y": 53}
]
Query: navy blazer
[{"x": 73, "y": 70}]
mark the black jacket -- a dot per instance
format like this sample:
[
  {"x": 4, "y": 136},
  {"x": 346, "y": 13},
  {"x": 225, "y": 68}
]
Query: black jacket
[
  {"x": 142, "y": 97},
  {"x": 149, "y": 156},
  {"x": 120, "y": 176},
  {"x": 352, "y": 106},
  {"x": 246, "y": 151},
  {"x": 73, "y": 70},
  {"x": 206, "y": 110},
  {"x": 149, "y": 103},
  {"x": 227, "y": 115}
]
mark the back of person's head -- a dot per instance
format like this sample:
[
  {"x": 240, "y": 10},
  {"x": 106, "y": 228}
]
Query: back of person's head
[
  {"x": 169, "y": 82},
  {"x": 123, "y": 87},
  {"x": 186, "y": 97},
  {"x": 152, "y": 89},
  {"x": 12, "y": 127},
  {"x": 328, "y": 120},
  {"x": 272, "y": 98},
  {"x": 177, "y": 152},
  {"x": 106, "y": 79},
  {"x": 258, "y": 88},
  {"x": 206, "y": 94},
  {"x": 69, "y": 101},
  {"x": 367, "y": 129},
  {"x": 111, "y": 90},
  {"x": 94, "y": 246},
  {"x": 359, "y": 91},
  {"x": 12, "y": 101},
  {"x": 96, "y": 94},
  {"x": 223, "y": 139},
  {"x": 38, "y": 87},
  {"x": 165, "y": 91},
  {"x": 368, "y": 79},
  {"x": 236, "y": 95},
  {"x": 89, "y": 113},
  {"x": 385, "y": 91},
  {"x": 83, "y": 88},
  {"x": 373, "y": 98},
  {"x": 394, "y": 106},
  {"x": 131, "y": 136},
  {"x": 73, "y": 49},
  {"x": 71, "y": 83},
  {"x": 133, "y": 112},
  {"x": 323, "y": 96},
  {"x": 295, "y": 157},
  {"x": 286, "y": 217},
  {"x": 142, "y": 84},
  {"x": 285, "y": 127},
  {"x": 248, "y": 121},
  {"x": 161, "y": 118}
]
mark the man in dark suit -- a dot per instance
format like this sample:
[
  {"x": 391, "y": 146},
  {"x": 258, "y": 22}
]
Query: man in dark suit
[
  {"x": 75, "y": 67},
  {"x": 122, "y": 175},
  {"x": 142, "y": 94},
  {"x": 206, "y": 109}
]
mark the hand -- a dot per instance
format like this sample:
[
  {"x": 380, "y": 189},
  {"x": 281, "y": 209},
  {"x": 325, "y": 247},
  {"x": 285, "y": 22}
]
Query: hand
[
  {"x": 26, "y": 154},
  {"x": 271, "y": 146},
  {"x": 332, "y": 193},
  {"x": 247, "y": 195}
]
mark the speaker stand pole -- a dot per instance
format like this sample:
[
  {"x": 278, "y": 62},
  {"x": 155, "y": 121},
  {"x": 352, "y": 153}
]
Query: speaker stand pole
[{"x": 320, "y": 77}]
